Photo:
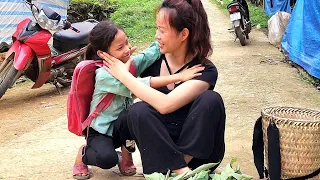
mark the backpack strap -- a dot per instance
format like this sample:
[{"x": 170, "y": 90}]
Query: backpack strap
[{"x": 104, "y": 103}]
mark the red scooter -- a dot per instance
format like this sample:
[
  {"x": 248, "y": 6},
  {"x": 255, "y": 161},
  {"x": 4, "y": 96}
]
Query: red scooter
[{"x": 32, "y": 56}]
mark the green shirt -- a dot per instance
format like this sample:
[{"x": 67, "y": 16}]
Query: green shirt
[{"x": 106, "y": 83}]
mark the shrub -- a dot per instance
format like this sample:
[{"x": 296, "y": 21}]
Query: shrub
[{"x": 80, "y": 10}]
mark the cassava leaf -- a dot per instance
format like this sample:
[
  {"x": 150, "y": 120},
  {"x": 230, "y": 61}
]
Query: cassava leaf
[
  {"x": 228, "y": 170},
  {"x": 181, "y": 176},
  {"x": 203, "y": 175},
  {"x": 154, "y": 176},
  {"x": 167, "y": 175},
  {"x": 215, "y": 176},
  {"x": 203, "y": 167}
]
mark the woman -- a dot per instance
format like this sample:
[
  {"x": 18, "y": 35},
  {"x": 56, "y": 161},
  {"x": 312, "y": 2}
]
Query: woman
[
  {"x": 102, "y": 140},
  {"x": 181, "y": 125}
]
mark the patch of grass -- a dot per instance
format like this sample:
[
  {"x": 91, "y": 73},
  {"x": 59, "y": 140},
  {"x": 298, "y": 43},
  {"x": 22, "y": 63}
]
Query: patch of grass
[
  {"x": 304, "y": 75},
  {"x": 257, "y": 14},
  {"x": 137, "y": 17}
]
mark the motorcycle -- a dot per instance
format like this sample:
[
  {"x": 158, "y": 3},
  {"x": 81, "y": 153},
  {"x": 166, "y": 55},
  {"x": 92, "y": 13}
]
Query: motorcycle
[
  {"x": 240, "y": 18},
  {"x": 31, "y": 55}
]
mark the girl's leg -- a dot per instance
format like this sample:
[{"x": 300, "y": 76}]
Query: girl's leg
[
  {"x": 202, "y": 135},
  {"x": 158, "y": 151},
  {"x": 123, "y": 138},
  {"x": 126, "y": 165},
  {"x": 79, "y": 156},
  {"x": 100, "y": 151},
  {"x": 121, "y": 132},
  {"x": 80, "y": 170},
  {"x": 126, "y": 154}
]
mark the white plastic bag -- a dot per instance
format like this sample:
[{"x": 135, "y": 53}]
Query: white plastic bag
[{"x": 277, "y": 26}]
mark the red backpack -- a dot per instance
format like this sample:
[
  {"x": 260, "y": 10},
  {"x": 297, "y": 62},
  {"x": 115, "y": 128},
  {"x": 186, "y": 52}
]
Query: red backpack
[{"x": 80, "y": 96}]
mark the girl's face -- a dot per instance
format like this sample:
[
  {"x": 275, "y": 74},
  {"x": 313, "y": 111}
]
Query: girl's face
[
  {"x": 169, "y": 39},
  {"x": 120, "y": 47}
]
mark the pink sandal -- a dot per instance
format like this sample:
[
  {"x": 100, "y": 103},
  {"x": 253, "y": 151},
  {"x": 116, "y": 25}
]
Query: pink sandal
[
  {"x": 127, "y": 168},
  {"x": 78, "y": 170}
]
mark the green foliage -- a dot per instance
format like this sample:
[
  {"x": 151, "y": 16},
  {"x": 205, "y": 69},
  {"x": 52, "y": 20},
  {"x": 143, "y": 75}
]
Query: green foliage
[
  {"x": 137, "y": 18},
  {"x": 257, "y": 14},
  {"x": 80, "y": 10},
  {"x": 230, "y": 173},
  {"x": 202, "y": 173}
]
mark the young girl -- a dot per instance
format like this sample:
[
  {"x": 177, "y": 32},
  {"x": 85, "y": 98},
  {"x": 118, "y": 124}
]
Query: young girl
[{"x": 102, "y": 139}]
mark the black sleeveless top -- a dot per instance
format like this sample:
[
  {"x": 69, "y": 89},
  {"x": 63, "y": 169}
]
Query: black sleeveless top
[{"x": 176, "y": 119}]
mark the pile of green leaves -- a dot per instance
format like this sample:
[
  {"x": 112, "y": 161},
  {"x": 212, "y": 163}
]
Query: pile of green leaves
[
  {"x": 81, "y": 10},
  {"x": 203, "y": 173}
]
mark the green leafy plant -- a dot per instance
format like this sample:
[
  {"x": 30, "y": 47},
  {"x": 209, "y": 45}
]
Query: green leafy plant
[
  {"x": 230, "y": 173},
  {"x": 80, "y": 10},
  {"x": 203, "y": 173}
]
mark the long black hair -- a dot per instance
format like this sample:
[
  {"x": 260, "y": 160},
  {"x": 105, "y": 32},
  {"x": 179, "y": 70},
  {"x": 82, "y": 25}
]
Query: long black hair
[
  {"x": 100, "y": 38},
  {"x": 190, "y": 14}
]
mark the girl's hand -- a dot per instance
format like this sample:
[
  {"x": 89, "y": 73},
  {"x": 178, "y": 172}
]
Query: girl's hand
[
  {"x": 133, "y": 49},
  {"x": 114, "y": 66},
  {"x": 190, "y": 73}
]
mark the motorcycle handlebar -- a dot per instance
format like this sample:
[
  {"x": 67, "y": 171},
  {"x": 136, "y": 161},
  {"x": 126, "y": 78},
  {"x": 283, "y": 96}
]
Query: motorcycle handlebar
[{"x": 67, "y": 25}]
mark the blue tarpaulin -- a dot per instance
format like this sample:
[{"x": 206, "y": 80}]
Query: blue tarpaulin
[
  {"x": 272, "y": 6},
  {"x": 302, "y": 36},
  {"x": 14, "y": 11}
]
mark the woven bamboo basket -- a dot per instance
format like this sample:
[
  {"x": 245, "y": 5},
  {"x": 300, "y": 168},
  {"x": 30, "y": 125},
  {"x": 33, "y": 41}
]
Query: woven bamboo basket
[{"x": 299, "y": 134}]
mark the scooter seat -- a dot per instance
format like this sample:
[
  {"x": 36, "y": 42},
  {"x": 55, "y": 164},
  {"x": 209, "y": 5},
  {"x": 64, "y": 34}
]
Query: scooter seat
[
  {"x": 71, "y": 36},
  {"x": 234, "y": 4}
]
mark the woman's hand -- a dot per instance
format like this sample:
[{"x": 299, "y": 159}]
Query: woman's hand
[
  {"x": 114, "y": 66},
  {"x": 190, "y": 73}
]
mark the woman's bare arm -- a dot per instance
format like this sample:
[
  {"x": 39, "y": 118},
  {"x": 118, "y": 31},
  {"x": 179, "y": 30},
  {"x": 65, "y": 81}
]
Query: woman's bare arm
[{"x": 165, "y": 103}]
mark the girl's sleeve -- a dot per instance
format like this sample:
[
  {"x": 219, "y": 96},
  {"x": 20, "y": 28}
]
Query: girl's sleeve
[
  {"x": 106, "y": 83},
  {"x": 146, "y": 58}
]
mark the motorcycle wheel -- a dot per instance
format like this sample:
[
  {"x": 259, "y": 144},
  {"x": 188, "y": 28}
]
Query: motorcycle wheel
[
  {"x": 8, "y": 75},
  {"x": 240, "y": 35}
]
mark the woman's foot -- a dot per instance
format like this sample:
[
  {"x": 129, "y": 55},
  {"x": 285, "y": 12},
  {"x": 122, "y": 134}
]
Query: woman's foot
[
  {"x": 80, "y": 170},
  {"x": 181, "y": 170}
]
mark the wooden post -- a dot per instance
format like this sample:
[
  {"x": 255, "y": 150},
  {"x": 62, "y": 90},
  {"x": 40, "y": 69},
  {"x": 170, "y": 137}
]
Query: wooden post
[{"x": 2, "y": 57}]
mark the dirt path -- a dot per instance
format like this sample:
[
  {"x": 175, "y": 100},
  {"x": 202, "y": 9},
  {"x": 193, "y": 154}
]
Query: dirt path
[
  {"x": 35, "y": 142},
  {"x": 251, "y": 78}
]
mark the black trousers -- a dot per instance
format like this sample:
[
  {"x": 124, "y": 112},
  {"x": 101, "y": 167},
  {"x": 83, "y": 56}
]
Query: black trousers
[
  {"x": 164, "y": 139},
  {"x": 100, "y": 148}
]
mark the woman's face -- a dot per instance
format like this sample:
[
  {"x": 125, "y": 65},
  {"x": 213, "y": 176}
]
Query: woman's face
[
  {"x": 120, "y": 47},
  {"x": 169, "y": 39}
]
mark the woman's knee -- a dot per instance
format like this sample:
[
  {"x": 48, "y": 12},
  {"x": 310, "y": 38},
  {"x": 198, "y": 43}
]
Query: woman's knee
[
  {"x": 210, "y": 99},
  {"x": 139, "y": 112}
]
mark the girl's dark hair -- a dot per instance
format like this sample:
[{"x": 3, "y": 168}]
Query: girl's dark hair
[
  {"x": 100, "y": 38},
  {"x": 190, "y": 14}
]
